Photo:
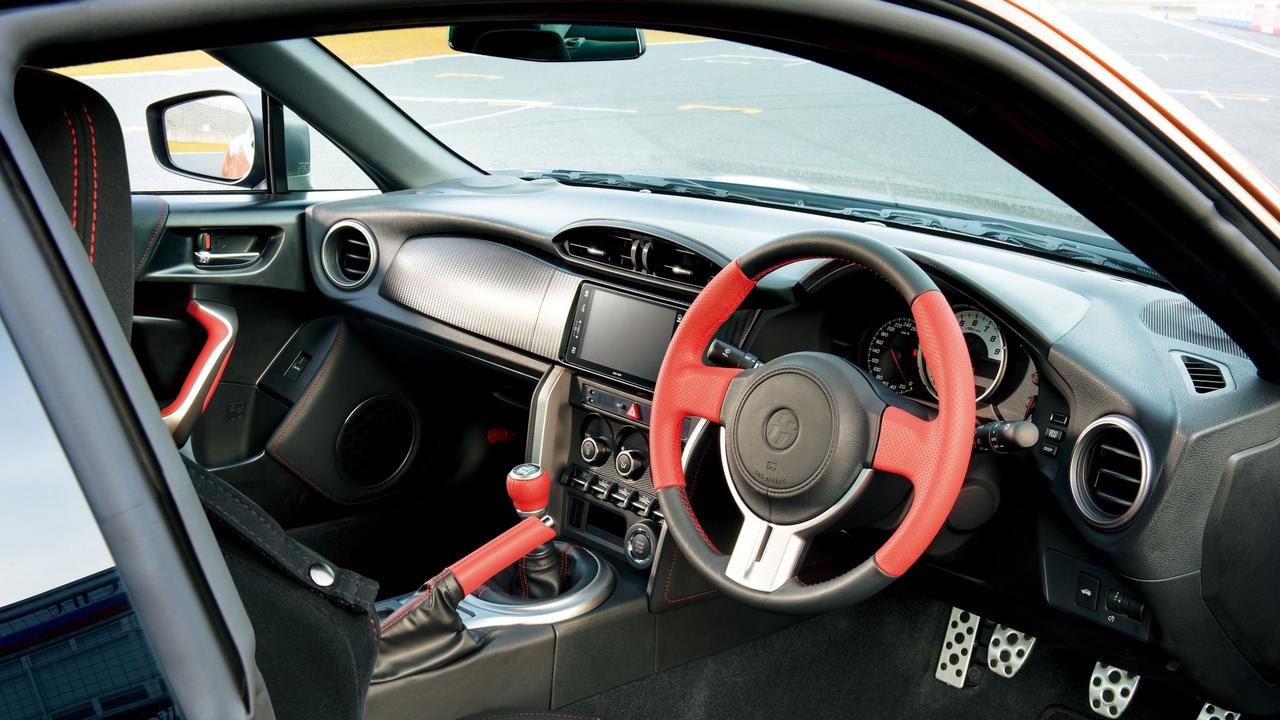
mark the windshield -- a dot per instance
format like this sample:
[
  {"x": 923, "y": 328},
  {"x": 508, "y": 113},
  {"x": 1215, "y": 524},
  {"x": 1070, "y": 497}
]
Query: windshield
[{"x": 696, "y": 108}]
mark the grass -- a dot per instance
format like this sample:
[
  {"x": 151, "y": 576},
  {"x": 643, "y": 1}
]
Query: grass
[{"x": 362, "y": 48}]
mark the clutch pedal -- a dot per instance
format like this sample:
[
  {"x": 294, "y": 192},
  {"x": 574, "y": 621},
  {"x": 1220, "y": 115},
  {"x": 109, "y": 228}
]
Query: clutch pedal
[
  {"x": 1111, "y": 690},
  {"x": 957, "y": 647},
  {"x": 1008, "y": 650}
]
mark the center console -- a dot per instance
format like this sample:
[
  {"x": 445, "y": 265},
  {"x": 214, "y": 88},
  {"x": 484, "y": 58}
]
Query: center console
[{"x": 590, "y": 421}]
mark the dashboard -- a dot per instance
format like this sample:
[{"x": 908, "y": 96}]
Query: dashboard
[{"x": 1113, "y": 530}]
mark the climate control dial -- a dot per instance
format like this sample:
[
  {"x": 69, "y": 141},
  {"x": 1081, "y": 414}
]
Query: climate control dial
[
  {"x": 630, "y": 464},
  {"x": 595, "y": 450}
]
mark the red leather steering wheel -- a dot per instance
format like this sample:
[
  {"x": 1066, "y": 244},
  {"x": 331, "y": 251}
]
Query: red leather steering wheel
[{"x": 801, "y": 435}]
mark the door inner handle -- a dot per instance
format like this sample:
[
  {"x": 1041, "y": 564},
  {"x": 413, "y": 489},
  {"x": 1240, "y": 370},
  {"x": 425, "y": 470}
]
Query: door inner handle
[{"x": 207, "y": 259}]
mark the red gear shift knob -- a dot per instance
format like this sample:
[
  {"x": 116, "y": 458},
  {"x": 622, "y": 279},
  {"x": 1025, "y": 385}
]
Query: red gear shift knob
[{"x": 529, "y": 487}]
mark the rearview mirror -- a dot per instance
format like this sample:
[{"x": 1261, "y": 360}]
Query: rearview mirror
[
  {"x": 209, "y": 135},
  {"x": 548, "y": 42}
]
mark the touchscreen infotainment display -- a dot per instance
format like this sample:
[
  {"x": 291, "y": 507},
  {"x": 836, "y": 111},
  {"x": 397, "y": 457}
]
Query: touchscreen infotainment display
[{"x": 621, "y": 335}]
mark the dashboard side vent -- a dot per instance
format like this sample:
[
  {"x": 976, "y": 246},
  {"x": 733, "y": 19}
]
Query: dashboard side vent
[
  {"x": 349, "y": 254},
  {"x": 1110, "y": 471},
  {"x": 1205, "y": 376},
  {"x": 635, "y": 252}
]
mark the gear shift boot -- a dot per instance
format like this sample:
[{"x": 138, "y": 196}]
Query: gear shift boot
[
  {"x": 574, "y": 569},
  {"x": 543, "y": 576}
]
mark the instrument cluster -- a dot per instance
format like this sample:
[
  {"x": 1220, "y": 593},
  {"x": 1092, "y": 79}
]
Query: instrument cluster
[{"x": 891, "y": 353}]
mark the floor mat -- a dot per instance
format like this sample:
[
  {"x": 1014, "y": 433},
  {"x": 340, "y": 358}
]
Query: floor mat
[{"x": 875, "y": 660}]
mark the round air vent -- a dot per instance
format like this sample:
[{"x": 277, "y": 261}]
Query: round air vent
[
  {"x": 1110, "y": 471},
  {"x": 377, "y": 441},
  {"x": 349, "y": 254}
]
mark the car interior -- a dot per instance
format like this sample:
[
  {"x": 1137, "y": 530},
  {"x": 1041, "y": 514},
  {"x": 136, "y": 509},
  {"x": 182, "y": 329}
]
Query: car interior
[{"x": 570, "y": 444}]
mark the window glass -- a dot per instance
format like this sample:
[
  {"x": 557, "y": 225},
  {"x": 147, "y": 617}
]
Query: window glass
[
  {"x": 131, "y": 85},
  {"x": 71, "y": 645}
]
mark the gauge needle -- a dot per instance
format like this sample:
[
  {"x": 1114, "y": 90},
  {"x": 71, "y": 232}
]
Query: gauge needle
[{"x": 894, "y": 354}]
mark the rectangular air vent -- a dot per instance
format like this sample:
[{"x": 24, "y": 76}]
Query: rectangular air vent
[{"x": 1205, "y": 376}]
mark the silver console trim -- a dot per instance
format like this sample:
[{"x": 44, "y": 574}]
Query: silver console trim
[{"x": 477, "y": 614}]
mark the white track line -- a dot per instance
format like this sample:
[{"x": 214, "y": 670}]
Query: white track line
[
  {"x": 1261, "y": 50},
  {"x": 486, "y": 116}
]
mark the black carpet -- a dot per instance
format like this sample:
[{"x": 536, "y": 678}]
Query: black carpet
[{"x": 875, "y": 660}]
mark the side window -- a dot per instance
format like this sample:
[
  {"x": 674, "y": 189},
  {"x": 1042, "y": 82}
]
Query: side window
[
  {"x": 71, "y": 646},
  {"x": 131, "y": 85}
]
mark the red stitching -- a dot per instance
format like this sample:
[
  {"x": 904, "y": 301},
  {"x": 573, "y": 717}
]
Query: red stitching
[
  {"x": 413, "y": 604},
  {"x": 671, "y": 566},
  {"x": 524, "y": 580},
  {"x": 377, "y": 637},
  {"x": 564, "y": 563},
  {"x": 771, "y": 268},
  {"x": 155, "y": 233},
  {"x": 93, "y": 219},
  {"x": 75, "y": 175}
]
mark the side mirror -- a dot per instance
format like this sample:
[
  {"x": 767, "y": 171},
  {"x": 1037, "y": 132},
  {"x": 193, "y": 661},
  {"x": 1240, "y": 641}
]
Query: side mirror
[
  {"x": 210, "y": 135},
  {"x": 548, "y": 42}
]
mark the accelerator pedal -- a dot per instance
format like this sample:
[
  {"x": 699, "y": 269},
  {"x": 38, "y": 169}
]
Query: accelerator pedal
[
  {"x": 1217, "y": 712},
  {"x": 957, "y": 647},
  {"x": 1111, "y": 690},
  {"x": 1008, "y": 650}
]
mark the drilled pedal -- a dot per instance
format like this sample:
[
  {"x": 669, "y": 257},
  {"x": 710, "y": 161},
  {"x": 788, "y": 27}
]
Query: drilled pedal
[
  {"x": 1111, "y": 690},
  {"x": 957, "y": 647},
  {"x": 1008, "y": 650},
  {"x": 1214, "y": 712}
]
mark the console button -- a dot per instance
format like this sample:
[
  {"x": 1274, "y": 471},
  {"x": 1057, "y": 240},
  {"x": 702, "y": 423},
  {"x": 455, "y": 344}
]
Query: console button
[
  {"x": 595, "y": 450},
  {"x": 633, "y": 412},
  {"x": 629, "y": 464},
  {"x": 1058, "y": 418},
  {"x": 1087, "y": 588},
  {"x": 1053, "y": 433},
  {"x": 640, "y": 544}
]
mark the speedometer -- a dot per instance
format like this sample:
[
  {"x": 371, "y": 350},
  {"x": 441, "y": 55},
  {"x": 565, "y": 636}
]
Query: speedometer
[
  {"x": 987, "y": 352},
  {"x": 891, "y": 355}
]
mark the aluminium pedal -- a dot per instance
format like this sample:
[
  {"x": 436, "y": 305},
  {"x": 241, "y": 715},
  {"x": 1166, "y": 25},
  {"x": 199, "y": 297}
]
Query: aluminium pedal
[
  {"x": 1008, "y": 650},
  {"x": 1111, "y": 690},
  {"x": 957, "y": 647},
  {"x": 1217, "y": 712}
]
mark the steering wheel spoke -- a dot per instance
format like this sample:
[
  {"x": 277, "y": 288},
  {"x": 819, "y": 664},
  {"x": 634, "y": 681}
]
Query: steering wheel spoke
[
  {"x": 765, "y": 555},
  {"x": 701, "y": 390}
]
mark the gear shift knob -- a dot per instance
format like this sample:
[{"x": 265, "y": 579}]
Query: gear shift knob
[{"x": 529, "y": 487}]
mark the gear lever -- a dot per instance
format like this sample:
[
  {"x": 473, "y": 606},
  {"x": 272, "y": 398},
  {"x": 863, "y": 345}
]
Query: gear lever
[{"x": 538, "y": 574}]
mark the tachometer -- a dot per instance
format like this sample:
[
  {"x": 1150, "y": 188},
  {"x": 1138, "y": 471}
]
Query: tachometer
[
  {"x": 891, "y": 355},
  {"x": 987, "y": 352}
]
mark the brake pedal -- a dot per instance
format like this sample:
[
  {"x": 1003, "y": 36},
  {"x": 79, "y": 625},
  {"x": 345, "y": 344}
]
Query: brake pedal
[
  {"x": 1111, "y": 690},
  {"x": 1008, "y": 650},
  {"x": 1215, "y": 712},
  {"x": 957, "y": 647}
]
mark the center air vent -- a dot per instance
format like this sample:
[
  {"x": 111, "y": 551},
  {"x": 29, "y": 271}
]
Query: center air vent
[
  {"x": 349, "y": 254},
  {"x": 636, "y": 252},
  {"x": 1110, "y": 471}
]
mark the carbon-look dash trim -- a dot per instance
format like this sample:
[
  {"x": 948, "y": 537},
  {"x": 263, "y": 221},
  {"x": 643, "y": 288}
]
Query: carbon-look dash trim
[{"x": 486, "y": 288}]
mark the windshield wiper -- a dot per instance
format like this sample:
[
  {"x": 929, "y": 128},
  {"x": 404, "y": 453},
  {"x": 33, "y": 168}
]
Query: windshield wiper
[{"x": 1026, "y": 236}]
